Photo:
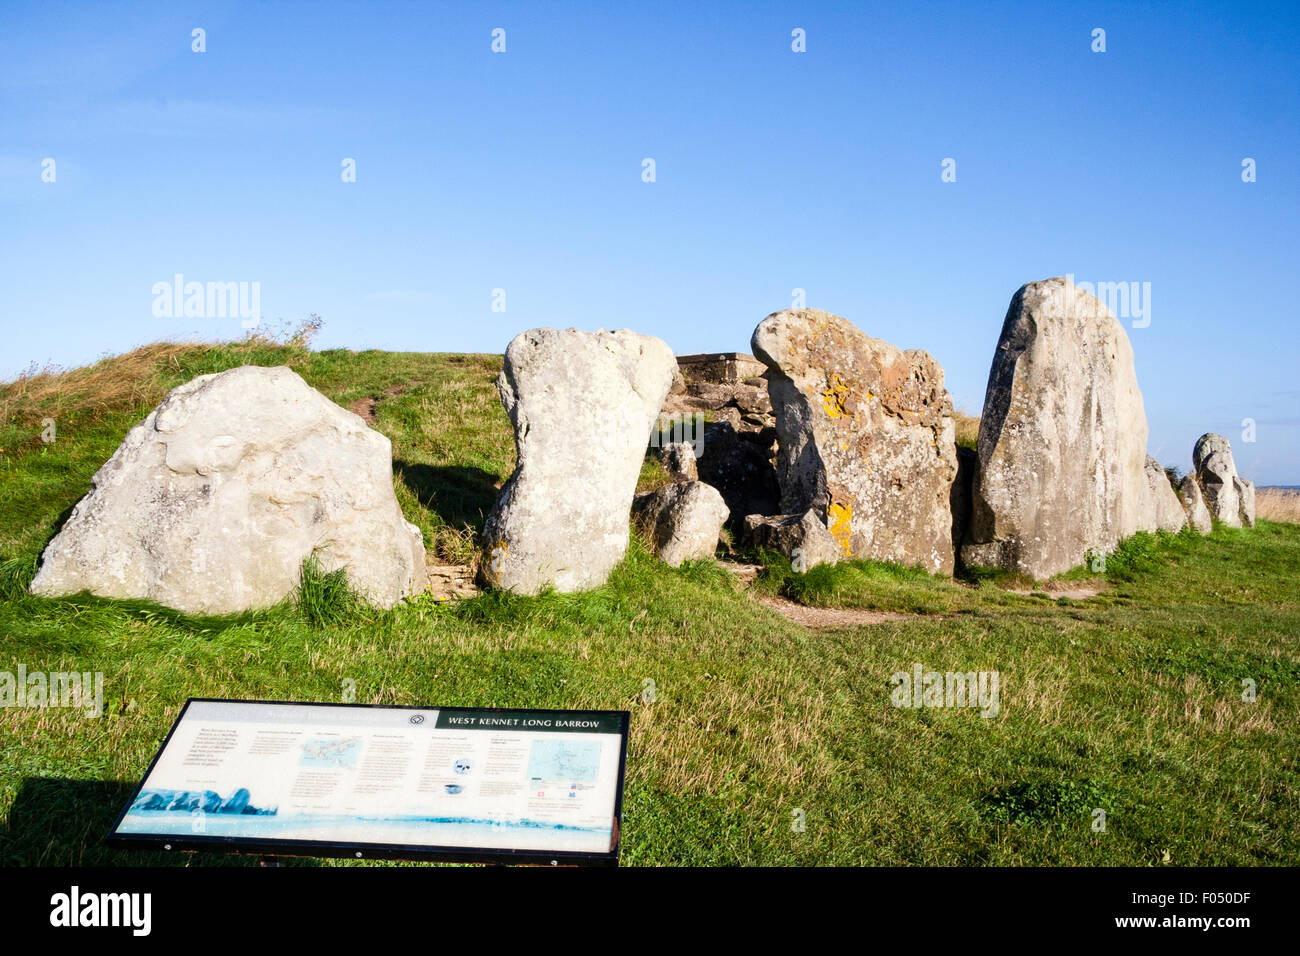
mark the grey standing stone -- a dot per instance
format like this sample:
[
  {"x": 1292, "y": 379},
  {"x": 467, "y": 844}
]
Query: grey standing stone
[
  {"x": 1198, "y": 515},
  {"x": 1062, "y": 439},
  {"x": 1246, "y": 502},
  {"x": 1163, "y": 510},
  {"x": 1217, "y": 473},
  {"x": 582, "y": 405}
]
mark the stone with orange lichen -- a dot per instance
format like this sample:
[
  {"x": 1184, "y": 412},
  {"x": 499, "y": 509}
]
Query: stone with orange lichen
[{"x": 866, "y": 437}]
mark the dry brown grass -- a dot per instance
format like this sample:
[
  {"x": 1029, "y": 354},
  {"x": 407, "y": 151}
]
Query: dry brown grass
[
  {"x": 1278, "y": 504},
  {"x": 968, "y": 428},
  {"x": 124, "y": 382},
  {"x": 111, "y": 384}
]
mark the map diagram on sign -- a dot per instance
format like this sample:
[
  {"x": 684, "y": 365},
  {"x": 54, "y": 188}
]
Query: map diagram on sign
[
  {"x": 564, "y": 761},
  {"x": 339, "y": 754}
]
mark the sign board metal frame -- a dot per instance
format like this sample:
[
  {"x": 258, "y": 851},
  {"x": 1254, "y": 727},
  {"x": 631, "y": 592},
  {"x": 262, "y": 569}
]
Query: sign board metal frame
[{"x": 259, "y": 846}]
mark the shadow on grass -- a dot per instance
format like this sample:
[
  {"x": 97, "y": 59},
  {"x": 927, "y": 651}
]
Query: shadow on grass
[
  {"x": 59, "y": 821},
  {"x": 59, "y": 522},
  {"x": 17, "y": 571},
  {"x": 459, "y": 495},
  {"x": 151, "y": 612}
]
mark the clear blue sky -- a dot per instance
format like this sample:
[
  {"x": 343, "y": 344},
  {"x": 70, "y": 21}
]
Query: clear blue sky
[{"x": 775, "y": 170}]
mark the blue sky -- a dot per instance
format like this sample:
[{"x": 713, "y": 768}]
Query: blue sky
[{"x": 775, "y": 170}]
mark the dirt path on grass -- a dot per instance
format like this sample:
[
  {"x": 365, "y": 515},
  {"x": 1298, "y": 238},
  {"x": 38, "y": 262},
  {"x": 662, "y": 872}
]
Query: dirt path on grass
[
  {"x": 453, "y": 582},
  {"x": 821, "y": 617},
  {"x": 810, "y": 617},
  {"x": 365, "y": 407},
  {"x": 830, "y": 617},
  {"x": 1075, "y": 594}
]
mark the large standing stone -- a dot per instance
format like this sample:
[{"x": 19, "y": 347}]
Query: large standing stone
[
  {"x": 212, "y": 503},
  {"x": 1198, "y": 515},
  {"x": 1217, "y": 474},
  {"x": 1163, "y": 510},
  {"x": 866, "y": 438},
  {"x": 1062, "y": 440},
  {"x": 582, "y": 405},
  {"x": 681, "y": 520}
]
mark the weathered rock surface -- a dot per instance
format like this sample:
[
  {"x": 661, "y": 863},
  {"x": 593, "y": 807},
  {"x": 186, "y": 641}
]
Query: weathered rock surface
[
  {"x": 1198, "y": 515},
  {"x": 582, "y": 405},
  {"x": 1163, "y": 511},
  {"x": 678, "y": 459},
  {"x": 744, "y": 404},
  {"x": 739, "y": 465},
  {"x": 1217, "y": 473},
  {"x": 865, "y": 437},
  {"x": 719, "y": 367},
  {"x": 1246, "y": 501},
  {"x": 1062, "y": 440},
  {"x": 804, "y": 539},
  {"x": 678, "y": 386},
  {"x": 212, "y": 503},
  {"x": 681, "y": 520},
  {"x": 723, "y": 387}
]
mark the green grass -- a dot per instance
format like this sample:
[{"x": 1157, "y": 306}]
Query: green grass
[
  {"x": 1130, "y": 701},
  {"x": 879, "y": 586},
  {"x": 325, "y": 598}
]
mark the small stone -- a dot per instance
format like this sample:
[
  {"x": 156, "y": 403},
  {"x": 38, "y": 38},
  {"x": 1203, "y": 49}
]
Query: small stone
[
  {"x": 682, "y": 520},
  {"x": 678, "y": 459},
  {"x": 804, "y": 539},
  {"x": 1198, "y": 515}
]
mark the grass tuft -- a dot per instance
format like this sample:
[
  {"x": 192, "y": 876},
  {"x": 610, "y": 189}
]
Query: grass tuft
[
  {"x": 16, "y": 576},
  {"x": 326, "y": 599},
  {"x": 1135, "y": 554},
  {"x": 875, "y": 585}
]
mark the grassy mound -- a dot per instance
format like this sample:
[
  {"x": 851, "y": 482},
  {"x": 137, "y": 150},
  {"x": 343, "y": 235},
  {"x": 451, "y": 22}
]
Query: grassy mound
[{"x": 1130, "y": 702}]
